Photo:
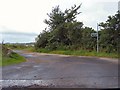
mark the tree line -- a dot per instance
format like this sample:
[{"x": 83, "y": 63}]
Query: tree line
[{"x": 65, "y": 32}]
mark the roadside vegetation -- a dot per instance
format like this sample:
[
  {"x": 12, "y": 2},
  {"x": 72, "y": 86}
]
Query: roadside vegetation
[
  {"x": 66, "y": 35},
  {"x": 79, "y": 53},
  {"x": 70, "y": 52},
  {"x": 9, "y": 58}
]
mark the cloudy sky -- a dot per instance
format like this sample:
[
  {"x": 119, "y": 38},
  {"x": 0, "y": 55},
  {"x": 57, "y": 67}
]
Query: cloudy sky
[{"x": 22, "y": 20}]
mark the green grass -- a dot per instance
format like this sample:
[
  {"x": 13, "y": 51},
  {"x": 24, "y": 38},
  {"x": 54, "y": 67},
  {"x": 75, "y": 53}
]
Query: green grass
[
  {"x": 28, "y": 49},
  {"x": 80, "y": 53},
  {"x": 73, "y": 52},
  {"x": 31, "y": 49},
  {"x": 12, "y": 59}
]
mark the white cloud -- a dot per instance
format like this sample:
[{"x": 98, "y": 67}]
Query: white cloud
[
  {"x": 97, "y": 12},
  {"x": 28, "y": 15}
]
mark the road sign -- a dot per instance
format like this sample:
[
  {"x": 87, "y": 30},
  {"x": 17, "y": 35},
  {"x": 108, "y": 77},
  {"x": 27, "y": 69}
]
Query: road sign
[{"x": 93, "y": 34}]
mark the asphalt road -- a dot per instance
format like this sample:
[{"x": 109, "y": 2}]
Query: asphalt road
[{"x": 50, "y": 70}]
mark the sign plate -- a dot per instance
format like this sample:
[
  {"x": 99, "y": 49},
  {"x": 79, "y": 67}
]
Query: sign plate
[{"x": 93, "y": 34}]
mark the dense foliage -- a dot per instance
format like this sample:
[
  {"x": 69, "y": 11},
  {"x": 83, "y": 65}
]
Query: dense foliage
[
  {"x": 65, "y": 32},
  {"x": 110, "y": 34}
]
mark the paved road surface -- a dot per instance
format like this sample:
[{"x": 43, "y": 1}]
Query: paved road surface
[{"x": 62, "y": 71}]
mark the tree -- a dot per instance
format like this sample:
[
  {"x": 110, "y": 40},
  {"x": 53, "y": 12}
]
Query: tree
[
  {"x": 63, "y": 29},
  {"x": 88, "y": 42},
  {"x": 110, "y": 33},
  {"x": 42, "y": 39}
]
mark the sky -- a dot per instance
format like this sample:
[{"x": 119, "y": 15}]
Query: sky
[{"x": 22, "y": 20}]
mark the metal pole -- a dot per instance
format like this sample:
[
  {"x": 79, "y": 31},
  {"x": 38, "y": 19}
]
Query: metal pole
[{"x": 97, "y": 39}]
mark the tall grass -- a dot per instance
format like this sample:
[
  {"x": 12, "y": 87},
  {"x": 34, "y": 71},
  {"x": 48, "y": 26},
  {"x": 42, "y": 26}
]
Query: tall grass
[{"x": 79, "y": 53}]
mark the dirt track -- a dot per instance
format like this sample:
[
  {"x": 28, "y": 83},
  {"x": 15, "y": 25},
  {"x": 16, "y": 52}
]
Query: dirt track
[{"x": 62, "y": 71}]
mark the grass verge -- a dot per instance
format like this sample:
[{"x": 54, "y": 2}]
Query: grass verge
[
  {"x": 14, "y": 58},
  {"x": 79, "y": 53},
  {"x": 73, "y": 52}
]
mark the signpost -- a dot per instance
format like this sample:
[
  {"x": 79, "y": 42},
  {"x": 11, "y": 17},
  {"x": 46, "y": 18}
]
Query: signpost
[
  {"x": 96, "y": 35},
  {"x": 97, "y": 40},
  {"x": 119, "y": 6}
]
